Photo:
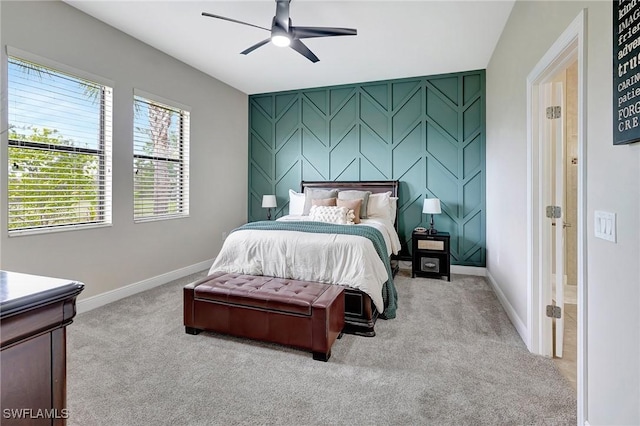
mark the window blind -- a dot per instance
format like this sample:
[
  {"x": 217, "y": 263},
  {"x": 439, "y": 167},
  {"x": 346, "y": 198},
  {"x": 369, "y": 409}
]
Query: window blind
[
  {"x": 59, "y": 153},
  {"x": 161, "y": 160}
]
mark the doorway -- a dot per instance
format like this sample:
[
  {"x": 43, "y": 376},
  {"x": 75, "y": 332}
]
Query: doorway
[
  {"x": 564, "y": 183},
  {"x": 542, "y": 239}
]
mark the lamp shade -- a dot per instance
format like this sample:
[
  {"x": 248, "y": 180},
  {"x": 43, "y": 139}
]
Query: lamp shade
[
  {"x": 432, "y": 206},
  {"x": 269, "y": 201}
]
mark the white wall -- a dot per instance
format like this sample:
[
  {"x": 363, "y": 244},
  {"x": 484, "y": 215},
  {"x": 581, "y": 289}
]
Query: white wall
[
  {"x": 125, "y": 253},
  {"x": 613, "y": 179}
]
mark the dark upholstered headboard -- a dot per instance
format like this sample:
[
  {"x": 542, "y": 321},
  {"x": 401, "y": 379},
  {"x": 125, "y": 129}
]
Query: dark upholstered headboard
[{"x": 375, "y": 186}]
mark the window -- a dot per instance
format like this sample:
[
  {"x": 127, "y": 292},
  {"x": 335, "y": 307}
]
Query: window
[
  {"x": 59, "y": 153},
  {"x": 160, "y": 159}
]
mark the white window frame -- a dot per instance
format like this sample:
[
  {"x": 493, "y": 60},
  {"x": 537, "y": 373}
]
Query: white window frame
[
  {"x": 182, "y": 187},
  {"x": 104, "y": 151}
]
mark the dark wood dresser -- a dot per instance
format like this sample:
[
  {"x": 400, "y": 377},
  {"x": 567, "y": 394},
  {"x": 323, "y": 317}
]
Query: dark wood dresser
[{"x": 34, "y": 313}]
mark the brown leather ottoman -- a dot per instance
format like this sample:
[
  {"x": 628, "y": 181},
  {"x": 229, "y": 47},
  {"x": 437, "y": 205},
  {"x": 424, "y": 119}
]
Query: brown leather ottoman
[{"x": 301, "y": 314}]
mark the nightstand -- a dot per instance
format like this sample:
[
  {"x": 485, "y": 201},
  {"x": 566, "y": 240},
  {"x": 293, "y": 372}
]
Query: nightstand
[{"x": 430, "y": 255}]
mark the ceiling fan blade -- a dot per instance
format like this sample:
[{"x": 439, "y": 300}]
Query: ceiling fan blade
[
  {"x": 309, "y": 32},
  {"x": 300, "y": 47},
  {"x": 211, "y": 15},
  {"x": 255, "y": 46}
]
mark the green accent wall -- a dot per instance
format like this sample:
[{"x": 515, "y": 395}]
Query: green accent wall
[{"x": 426, "y": 132}]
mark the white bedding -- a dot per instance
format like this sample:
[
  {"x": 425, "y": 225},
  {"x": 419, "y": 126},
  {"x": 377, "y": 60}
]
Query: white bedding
[
  {"x": 385, "y": 227},
  {"x": 329, "y": 258}
]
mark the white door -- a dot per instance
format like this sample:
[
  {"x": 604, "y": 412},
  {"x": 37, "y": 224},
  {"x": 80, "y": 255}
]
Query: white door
[{"x": 558, "y": 144}]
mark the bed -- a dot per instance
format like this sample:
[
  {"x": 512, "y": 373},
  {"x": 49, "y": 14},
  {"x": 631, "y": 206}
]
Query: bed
[{"x": 356, "y": 257}]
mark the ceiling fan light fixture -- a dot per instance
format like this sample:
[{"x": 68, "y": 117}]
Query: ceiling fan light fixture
[
  {"x": 284, "y": 34},
  {"x": 281, "y": 40}
]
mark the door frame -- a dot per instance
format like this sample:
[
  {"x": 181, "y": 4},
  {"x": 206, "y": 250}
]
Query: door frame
[{"x": 571, "y": 45}]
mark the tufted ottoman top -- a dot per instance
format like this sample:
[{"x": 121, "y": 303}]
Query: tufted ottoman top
[{"x": 277, "y": 294}]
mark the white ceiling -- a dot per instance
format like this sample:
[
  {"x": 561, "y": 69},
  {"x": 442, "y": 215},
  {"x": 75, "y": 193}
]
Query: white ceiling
[{"x": 395, "y": 39}]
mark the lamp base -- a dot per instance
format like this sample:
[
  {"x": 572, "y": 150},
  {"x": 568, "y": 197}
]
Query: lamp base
[
  {"x": 268, "y": 213},
  {"x": 431, "y": 229}
]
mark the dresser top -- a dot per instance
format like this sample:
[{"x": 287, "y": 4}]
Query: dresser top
[{"x": 20, "y": 292}]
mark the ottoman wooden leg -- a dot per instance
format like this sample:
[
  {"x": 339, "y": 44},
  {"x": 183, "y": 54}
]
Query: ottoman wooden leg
[{"x": 321, "y": 356}]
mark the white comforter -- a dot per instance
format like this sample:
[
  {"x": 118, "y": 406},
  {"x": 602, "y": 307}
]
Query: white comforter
[{"x": 329, "y": 258}]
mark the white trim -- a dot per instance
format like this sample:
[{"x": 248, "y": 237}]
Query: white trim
[
  {"x": 521, "y": 328},
  {"x": 478, "y": 271},
  {"x": 59, "y": 228},
  {"x": 102, "y": 299},
  {"x": 571, "y": 44},
  {"x": 59, "y": 66},
  {"x": 164, "y": 101}
]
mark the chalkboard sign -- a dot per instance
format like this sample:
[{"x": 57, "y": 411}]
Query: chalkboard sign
[{"x": 626, "y": 71}]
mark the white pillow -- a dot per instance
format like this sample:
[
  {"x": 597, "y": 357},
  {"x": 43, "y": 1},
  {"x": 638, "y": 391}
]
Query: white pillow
[
  {"x": 394, "y": 208},
  {"x": 296, "y": 202},
  {"x": 332, "y": 214},
  {"x": 379, "y": 205}
]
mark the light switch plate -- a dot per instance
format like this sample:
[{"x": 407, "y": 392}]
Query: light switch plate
[{"x": 605, "y": 225}]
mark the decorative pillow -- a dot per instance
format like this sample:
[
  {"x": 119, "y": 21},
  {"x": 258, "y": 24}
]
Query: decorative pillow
[
  {"x": 296, "y": 202},
  {"x": 379, "y": 205},
  {"x": 353, "y": 205},
  {"x": 331, "y": 214},
  {"x": 316, "y": 194},
  {"x": 324, "y": 202},
  {"x": 354, "y": 195},
  {"x": 394, "y": 208}
]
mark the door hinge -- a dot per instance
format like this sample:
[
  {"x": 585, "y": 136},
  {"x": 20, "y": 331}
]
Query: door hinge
[
  {"x": 554, "y": 112},
  {"x": 554, "y": 311},
  {"x": 554, "y": 212}
]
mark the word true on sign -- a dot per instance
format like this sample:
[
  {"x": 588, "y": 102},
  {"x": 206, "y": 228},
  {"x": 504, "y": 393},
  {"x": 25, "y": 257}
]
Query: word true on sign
[{"x": 626, "y": 71}]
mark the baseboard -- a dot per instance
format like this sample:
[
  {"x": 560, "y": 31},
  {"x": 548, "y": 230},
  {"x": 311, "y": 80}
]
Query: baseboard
[
  {"x": 521, "y": 328},
  {"x": 479, "y": 271},
  {"x": 102, "y": 299}
]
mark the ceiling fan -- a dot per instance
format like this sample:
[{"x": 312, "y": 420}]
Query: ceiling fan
[{"x": 284, "y": 34}]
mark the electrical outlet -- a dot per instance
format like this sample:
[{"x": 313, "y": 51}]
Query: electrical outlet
[{"x": 605, "y": 225}]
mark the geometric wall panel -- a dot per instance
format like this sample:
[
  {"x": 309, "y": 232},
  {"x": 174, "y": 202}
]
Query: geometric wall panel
[
  {"x": 378, "y": 92},
  {"x": 287, "y": 155},
  {"x": 442, "y": 184},
  {"x": 406, "y": 117},
  {"x": 472, "y": 86},
  {"x": 442, "y": 112},
  {"x": 402, "y": 89},
  {"x": 374, "y": 117},
  {"x": 472, "y": 195},
  {"x": 443, "y": 149},
  {"x": 447, "y": 86},
  {"x": 471, "y": 158},
  {"x": 427, "y": 132},
  {"x": 472, "y": 232},
  {"x": 472, "y": 119},
  {"x": 286, "y": 124},
  {"x": 314, "y": 120}
]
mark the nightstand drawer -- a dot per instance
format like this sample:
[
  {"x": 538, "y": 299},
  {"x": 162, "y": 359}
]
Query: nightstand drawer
[
  {"x": 430, "y": 245},
  {"x": 429, "y": 264}
]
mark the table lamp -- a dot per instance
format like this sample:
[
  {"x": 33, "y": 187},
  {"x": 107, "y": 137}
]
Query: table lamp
[
  {"x": 431, "y": 206},
  {"x": 269, "y": 202}
]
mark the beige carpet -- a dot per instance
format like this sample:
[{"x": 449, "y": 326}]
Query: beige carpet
[{"x": 450, "y": 357}]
